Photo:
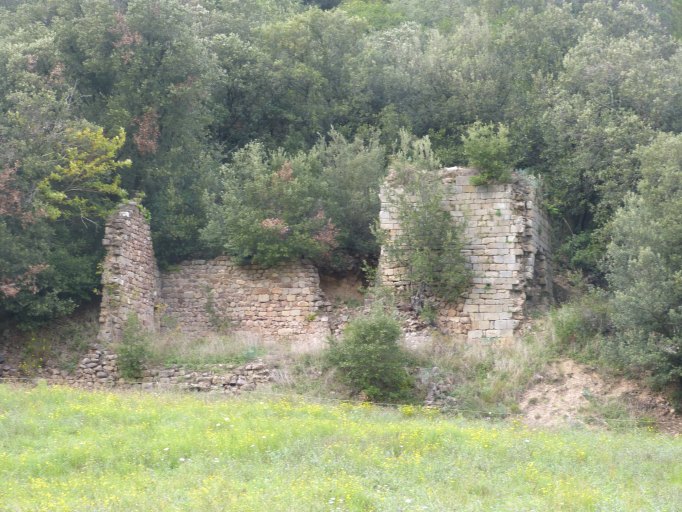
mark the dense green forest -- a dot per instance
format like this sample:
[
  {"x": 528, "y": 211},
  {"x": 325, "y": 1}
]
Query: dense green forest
[{"x": 263, "y": 128}]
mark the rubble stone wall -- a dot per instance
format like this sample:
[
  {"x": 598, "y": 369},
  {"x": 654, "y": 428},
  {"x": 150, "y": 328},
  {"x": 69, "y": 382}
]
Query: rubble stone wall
[
  {"x": 129, "y": 273},
  {"x": 99, "y": 369},
  {"x": 196, "y": 297},
  {"x": 507, "y": 248},
  {"x": 284, "y": 302}
]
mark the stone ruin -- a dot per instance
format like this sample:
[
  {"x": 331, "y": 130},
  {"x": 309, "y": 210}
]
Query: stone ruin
[
  {"x": 284, "y": 303},
  {"x": 201, "y": 296},
  {"x": 99, "y": 369},
  {"x": 130, "y": 278},
  {"x": 507, "y": 248}
]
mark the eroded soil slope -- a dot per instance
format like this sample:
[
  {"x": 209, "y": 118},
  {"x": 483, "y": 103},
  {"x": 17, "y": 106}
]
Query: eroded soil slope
[{"x": 568, "y": 393}]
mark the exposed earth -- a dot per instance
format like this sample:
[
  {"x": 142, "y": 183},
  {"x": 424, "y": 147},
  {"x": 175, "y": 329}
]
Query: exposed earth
[{"x": 569, "y": 393}]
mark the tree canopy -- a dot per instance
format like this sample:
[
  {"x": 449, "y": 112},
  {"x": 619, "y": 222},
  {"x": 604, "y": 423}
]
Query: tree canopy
[{"x": 263, "y": 128}]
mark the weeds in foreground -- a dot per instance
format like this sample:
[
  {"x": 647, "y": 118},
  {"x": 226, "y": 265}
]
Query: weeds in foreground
[
  {"x": 133, "y": 350},
  {"x": 578, "y": 328},
  {"x": 59, "y": 345},
  {"x": 483, "y": 378},
  {"x": 182, "y": 349},
  {"x": 614, "y": 414},
  {"x": 182, "y": 453},
  {"x": 487, "y": 376}
]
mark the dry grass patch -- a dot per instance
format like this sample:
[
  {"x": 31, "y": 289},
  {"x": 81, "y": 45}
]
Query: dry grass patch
[
  {"x": 486, "y": 377},
  {"x": 179, "y": 348}
]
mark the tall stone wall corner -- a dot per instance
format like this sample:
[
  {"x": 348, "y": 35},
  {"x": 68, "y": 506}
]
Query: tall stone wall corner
[{"x": 507, "y": 247}]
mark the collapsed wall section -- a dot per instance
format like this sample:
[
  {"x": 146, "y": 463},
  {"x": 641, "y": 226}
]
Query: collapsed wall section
[
  {"x": 129, "y": 273},
  {"x": 284, "y": 302},
  {"x": 506, "y": 247}
]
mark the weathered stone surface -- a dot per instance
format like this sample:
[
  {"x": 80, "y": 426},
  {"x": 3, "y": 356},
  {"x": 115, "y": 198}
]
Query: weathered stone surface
[
  {"x": 220, "y": 378},
  {"x": 230, "y": 296},
  {"x": 130, "y": 275},
  {"x": 507, "y": 248},
  {"x": 283, "y": 303}
]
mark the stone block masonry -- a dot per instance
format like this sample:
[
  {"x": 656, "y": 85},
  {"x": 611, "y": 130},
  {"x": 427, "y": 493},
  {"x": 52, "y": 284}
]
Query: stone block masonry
[
  {"x": 284, "y": 302},
  {"x": 506, "y": 246},
  {"x": 129, "y": 273},
  {"x": 196, "y": 297}
]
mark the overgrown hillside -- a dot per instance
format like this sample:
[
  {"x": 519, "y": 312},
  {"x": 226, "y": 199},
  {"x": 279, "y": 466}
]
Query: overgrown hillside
[{"x": 262, "y": 129}]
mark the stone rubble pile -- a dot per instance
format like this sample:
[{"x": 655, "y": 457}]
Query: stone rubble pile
[
  {"x": 236, "y": 379},
  {"x": 99, "y": 369},
  {"x": 8, "y": 372}
]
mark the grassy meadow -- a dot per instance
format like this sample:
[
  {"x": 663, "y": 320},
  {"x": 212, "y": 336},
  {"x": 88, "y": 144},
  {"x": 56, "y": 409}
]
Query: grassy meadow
[{"x": 67, "y": 450}]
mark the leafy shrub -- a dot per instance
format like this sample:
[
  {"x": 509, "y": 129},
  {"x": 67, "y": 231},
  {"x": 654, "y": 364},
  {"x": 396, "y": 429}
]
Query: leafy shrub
[
  {"x": 429, "y": 244},
  {"x": 644, "y": 264},
  {"x": 133, "y": 350},
  {"x": 583, "y": 251},
  {"x": 268, "y": 210},
  {"x": 275, "y": 207},
  {"x": 428, "y": 314},
  {"x": 590, "y": 330},
  {"x": 489, "y": 150},
  {"x": 653, "y": 355},
  {"x": 370, "y": 360},
  {"x": 578, "y": 323}
]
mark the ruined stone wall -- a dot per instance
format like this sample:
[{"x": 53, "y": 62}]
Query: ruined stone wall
[
  {"x": 507, "y": 248},
  {"x": 284, "y": 302},
  {"x": 536, "y": 247},
  {"x": 130, "y": 275},
  {"x": 196, "y": 297},
  {"x": 99, "y": 369}
]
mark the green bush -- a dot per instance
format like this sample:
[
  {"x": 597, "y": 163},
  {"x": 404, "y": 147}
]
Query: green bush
[
  {"x": 583, "y": 252},
  {"x": 274, "y": 207},
  {"x": 429, "y": 244},
  {"x": 589, "y": 330},
  {"x": 656, "y": 357},
  {"x": 578, "y": 325},
  {"x": 489, "y": 151},
  {"x": 369, "y": 359},
  {"x": 133, "y": 350},
  {"x": 644, "y": 265}
]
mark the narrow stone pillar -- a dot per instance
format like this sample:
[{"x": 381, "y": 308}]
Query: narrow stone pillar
[{"x": 129, "y": 273}]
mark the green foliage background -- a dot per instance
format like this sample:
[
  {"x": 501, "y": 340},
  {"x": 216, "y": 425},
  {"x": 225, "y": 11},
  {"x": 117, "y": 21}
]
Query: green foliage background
[{"x": 214, "y": 99}]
